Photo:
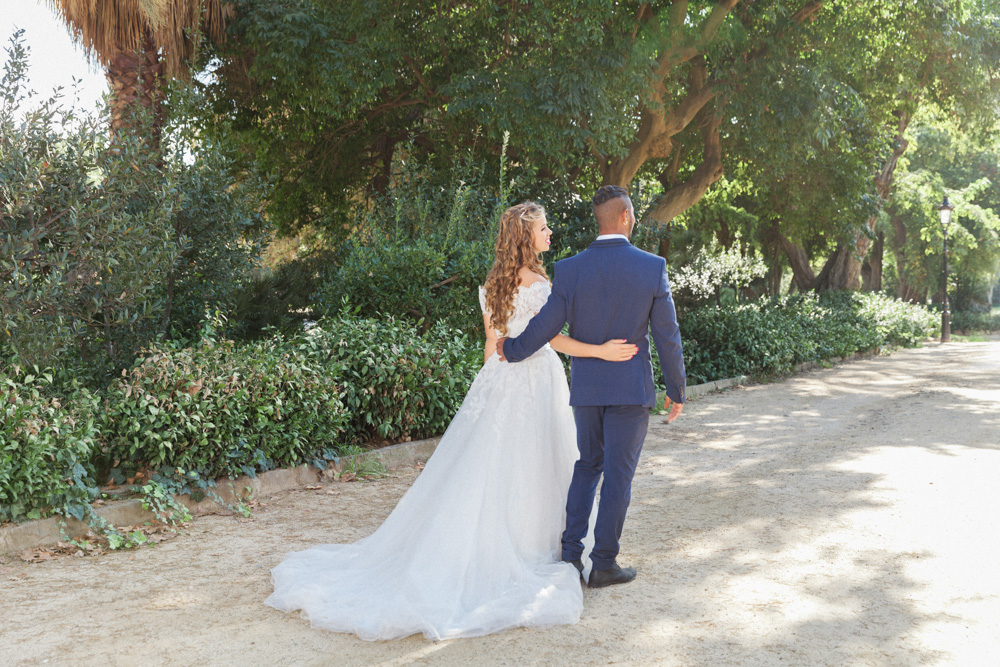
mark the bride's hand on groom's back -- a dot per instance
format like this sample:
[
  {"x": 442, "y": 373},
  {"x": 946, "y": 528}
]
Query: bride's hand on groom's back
[{"x": 617, "y": 349}]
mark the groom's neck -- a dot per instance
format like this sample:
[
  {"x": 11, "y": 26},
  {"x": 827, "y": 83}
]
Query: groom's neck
[{"x": 607, "y": 232}]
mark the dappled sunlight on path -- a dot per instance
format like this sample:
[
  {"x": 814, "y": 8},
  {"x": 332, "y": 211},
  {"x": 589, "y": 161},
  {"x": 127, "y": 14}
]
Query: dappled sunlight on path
[{"x": 844, "y": 516}]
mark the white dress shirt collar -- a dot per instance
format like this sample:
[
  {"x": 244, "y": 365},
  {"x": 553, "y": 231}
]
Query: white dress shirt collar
[{"x": 608, "y": 237}]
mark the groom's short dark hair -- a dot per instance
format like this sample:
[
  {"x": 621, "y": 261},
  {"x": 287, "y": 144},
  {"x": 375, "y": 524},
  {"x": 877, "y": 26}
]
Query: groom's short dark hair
[
  {"x": 609, "y": 201},
  {"x": 608, "y": 192}
]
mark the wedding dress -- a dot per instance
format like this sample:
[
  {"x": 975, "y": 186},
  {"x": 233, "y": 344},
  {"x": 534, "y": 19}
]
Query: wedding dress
[{"x": 473, "y": 546}]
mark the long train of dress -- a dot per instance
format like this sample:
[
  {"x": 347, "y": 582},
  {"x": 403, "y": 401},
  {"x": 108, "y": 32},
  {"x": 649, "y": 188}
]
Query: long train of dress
[{"x": 473, "y": 546}]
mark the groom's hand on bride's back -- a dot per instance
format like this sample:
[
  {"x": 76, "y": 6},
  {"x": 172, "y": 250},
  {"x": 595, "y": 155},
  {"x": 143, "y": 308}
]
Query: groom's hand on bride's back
[
  {"x": 500, "y": 343},
  {"x": 673, "y": 409}
]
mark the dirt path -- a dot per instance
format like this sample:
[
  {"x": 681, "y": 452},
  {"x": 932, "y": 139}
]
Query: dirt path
[{"x": 848, "y": 516}]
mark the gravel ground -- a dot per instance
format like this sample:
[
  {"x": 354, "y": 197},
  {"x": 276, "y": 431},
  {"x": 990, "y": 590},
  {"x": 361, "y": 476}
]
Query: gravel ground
[{"x": 846, "y": 516}]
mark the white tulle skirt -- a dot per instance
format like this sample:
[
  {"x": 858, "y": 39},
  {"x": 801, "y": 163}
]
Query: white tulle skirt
[{"x": 473, "y": 546}]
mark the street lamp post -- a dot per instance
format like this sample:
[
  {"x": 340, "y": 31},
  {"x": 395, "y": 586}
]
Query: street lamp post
[{"x": 945, "y": 210}]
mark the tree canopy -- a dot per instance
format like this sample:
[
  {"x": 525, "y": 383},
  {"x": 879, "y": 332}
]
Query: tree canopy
[{"x": 325, "y": 94}]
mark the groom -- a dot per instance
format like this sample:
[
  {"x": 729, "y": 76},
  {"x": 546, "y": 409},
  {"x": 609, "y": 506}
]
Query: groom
[{"x": 610, "y": 290}]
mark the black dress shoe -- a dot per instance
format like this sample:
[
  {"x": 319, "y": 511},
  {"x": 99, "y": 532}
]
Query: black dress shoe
[
  {"x": 578, "y": 564},
  {"x": 611, "y": 576}
]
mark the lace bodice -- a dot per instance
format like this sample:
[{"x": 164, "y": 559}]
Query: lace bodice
[{"x": 527, "y": 302}]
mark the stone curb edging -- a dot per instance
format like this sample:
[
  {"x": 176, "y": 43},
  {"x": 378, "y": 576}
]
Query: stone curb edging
[
  {"x": 45, "y": 532},
  {"x": 809, "y": 365},
  {"x": 694, "y": 391}
]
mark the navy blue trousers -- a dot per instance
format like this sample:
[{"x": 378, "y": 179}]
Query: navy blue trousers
[{"x": 610, "y": 439}]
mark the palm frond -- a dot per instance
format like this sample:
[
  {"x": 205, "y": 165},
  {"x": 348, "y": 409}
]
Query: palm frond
[{"x": 174, "y": 28}]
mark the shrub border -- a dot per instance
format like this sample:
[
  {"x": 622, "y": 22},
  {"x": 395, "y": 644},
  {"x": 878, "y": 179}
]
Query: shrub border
[{"x": 45, "y": 532}]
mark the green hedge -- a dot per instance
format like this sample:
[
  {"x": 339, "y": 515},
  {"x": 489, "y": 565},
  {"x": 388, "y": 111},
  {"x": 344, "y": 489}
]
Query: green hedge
[
  {"x": 218, "y": 408},
  {"x": 397, "y": 382},
  {"x": 222, "y": 409},
  {"x": 773, "y": 336},
  {"x": 47, "y": 445},
  {"x": 966, "y": 321}
]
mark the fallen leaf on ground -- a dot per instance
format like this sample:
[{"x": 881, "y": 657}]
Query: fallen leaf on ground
[{"x": 37, "y": 555}]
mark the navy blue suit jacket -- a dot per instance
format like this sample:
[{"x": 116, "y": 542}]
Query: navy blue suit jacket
[{"x": 610, "y": 290}]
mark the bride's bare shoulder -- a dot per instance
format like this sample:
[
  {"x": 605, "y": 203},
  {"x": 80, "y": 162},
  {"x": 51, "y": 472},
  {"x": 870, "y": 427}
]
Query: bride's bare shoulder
[{"x": 527, "y": 277}]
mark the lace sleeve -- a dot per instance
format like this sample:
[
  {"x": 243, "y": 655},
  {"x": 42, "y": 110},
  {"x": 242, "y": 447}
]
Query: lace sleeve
[
  {"x": 482, "y": 300},
  {"x": 535, "y": 297}
]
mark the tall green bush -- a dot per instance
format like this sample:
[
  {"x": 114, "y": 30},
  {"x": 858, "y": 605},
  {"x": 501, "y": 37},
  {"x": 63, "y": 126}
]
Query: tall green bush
[
  {"x": 218, "y": 216},
  {"x": 421, "y": 251},
  {"x": 84, "y": 241},
  {"x": 280, "y": 297},
  {"x": 218, "y": 213},
  {"x": 967, "y": 321}
]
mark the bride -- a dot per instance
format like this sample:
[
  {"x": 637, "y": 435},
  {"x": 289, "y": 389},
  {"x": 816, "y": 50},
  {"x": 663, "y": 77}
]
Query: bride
[{"x": 472, "y": 548}]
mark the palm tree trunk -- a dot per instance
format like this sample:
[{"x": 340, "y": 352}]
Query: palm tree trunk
[
  {"x": 124, "y": 80},
  {"x": 136, "y": 82},
  {"x": 152, "y": 91}
]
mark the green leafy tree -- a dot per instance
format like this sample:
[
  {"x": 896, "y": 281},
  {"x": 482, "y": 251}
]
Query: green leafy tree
[
  {"x": 218, "y": 216},
  {"x": 914, "y": 55},
  {"x": 946, "y": 161},
  {"x": 323, "y": 94}
]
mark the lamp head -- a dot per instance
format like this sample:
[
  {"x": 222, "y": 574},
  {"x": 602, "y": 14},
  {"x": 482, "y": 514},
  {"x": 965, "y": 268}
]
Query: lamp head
[{"x": 945, "y": 210}]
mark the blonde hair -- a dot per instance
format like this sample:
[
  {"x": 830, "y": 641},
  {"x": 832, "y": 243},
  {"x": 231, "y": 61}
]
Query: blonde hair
[{"x": 514, "y": 248}]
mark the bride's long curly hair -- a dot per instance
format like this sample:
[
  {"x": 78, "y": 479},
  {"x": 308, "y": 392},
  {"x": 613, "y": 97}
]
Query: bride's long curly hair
[{"x": 514, "y": 248}]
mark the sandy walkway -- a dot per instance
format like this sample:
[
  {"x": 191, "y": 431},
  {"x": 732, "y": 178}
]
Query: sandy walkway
[{"x": 847, "y": 516}]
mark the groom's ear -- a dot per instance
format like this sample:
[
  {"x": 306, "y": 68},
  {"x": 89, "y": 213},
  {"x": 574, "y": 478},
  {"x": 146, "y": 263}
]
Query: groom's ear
[{"x": 625, "y": 216}]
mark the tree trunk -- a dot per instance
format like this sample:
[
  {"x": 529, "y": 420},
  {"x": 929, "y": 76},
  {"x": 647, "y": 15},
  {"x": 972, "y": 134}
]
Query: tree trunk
[
  {"x": 833, "y": 272},
  {"x": 904, "y": 289},
  {"x": 803, "y": 277},
  {"x": 664, "y": 249},
  {"x": 654, "y": 140},
  {"x": 871, "y": 271},
  {"x": 136, "y": 82},
  {"x": 846, "y": 274},
  {"x": 685, "y": 195},
  {"x": 123, "y": 75},
  {"x": 724, "y": 235},
  {"x": 772, "y": 252},
  {"x": 153, "y": 93}
]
